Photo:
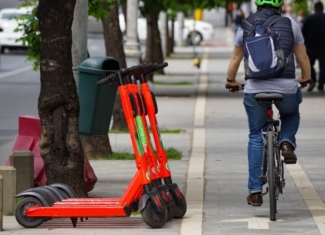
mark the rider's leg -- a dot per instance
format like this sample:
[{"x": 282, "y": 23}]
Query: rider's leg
[
  {"x": 321, "y": 79},
  {"x": 257, "y": 120},
  {"x": 312, "y": 59},
  {"x": 290, "y": 117}
]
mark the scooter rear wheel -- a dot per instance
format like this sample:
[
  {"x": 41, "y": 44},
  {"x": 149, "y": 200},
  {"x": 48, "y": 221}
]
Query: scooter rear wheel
[
  {"x": 20, "y": 213},
  {"x": 152, "y": 217},
  {"x": 181, "y": 208}
]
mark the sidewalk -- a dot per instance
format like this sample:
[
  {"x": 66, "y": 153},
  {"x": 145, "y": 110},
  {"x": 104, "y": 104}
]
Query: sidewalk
[
  {"x": 114, "y": 176},
  {"x": 213, "y": 171}
]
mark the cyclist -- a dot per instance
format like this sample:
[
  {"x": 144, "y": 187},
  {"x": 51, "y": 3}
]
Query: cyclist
[{"x": 291, "y": 40}]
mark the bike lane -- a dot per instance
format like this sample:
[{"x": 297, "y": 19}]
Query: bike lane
[{"x": 225, "y": 208}]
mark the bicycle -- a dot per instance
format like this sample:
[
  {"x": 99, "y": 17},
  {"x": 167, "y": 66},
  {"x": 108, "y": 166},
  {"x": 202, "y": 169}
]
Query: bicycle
[{"x": 273, "y": 175}]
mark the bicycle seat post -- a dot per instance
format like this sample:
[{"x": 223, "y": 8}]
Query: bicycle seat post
[{"x": 269, "y": 99}]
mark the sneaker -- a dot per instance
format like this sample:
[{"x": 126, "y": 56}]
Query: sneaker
[
  {"x": 255, "y": 199},
  {"x": 311, "y": 86},
  {"x": 288, "y": 154},
  {"x": 320, "y": 90}
]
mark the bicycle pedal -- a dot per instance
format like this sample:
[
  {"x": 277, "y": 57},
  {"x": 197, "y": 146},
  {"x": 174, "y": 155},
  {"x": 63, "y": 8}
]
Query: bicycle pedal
[
  {"x": 290, "y": 161},
  {"x": 267, "y": 190}
]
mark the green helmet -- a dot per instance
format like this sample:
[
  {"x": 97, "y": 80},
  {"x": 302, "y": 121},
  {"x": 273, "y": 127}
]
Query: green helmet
[{"x": 274, "y": 3}]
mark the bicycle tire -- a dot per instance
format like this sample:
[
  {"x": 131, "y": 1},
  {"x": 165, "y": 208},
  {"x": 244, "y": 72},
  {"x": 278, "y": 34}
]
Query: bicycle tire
[{"x": 271, "y": 175}]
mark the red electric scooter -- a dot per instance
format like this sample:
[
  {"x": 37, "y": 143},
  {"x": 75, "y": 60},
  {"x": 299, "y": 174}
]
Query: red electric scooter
[
  {"x": 40, "y": 204},
  {"x": 152, "y": 109}
]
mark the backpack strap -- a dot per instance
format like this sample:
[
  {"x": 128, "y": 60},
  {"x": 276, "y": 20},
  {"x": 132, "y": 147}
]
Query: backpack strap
[
  {"x": 271, "y": 20},
  {"x": 286, "y": 60},
  {"x": 246, "y": 26},
  {"x": 269, "y": 23}
]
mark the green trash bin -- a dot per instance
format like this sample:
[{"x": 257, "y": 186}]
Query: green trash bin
[{"x": 96, "y": 102}]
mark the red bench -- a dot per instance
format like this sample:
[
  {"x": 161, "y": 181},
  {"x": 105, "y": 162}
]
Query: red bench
[{"x": 29, "y": 134}]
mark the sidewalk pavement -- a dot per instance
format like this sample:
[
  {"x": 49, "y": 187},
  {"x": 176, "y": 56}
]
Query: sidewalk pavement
[{"x": 223, "y": 206}]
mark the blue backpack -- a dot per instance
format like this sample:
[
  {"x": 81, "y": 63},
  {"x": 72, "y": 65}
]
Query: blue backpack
[{"x": 264, "y": 58}]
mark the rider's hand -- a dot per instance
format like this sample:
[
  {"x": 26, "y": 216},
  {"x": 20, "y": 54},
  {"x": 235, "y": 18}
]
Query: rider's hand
[
  {"x": 235, "y": 84},
  {"x": 302, "y": 80}
]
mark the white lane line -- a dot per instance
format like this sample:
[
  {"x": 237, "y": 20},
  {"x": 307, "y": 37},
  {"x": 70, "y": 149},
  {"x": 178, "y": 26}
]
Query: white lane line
[
  {"x": 313, "y": 201},
  {"x": 192, "y": 222},
  {"x": 14, "y": 72},
  {"x": 199, "y": 114}
]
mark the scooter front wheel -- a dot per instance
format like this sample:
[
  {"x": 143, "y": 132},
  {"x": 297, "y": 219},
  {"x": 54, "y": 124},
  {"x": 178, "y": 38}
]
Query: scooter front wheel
[
  {"x": 181, "y": 208},
  {"x": 152, "y": 217},
  {"x": 20, "y": 213}
]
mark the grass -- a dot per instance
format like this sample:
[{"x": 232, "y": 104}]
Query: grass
[
  {"x": 9, "y": 213},
  {"x": 115, "y": 131},
  {"x": 172, "y": 131},
  {"x": 116, "y": 156},
  {"x": 172, "y": 83},
  {"x": 172, "y": 154},
  {"x": 163, "y": 131},
  {"x": 18, "y": 199}
]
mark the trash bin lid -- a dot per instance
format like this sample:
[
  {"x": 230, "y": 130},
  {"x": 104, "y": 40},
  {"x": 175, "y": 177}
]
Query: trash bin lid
[{"x": 99, "y": 65}]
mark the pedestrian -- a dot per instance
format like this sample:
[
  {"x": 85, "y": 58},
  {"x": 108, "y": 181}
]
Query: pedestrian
[
  {"x": 288, "y": 12},
  {"x": 239, "y": 17},
  {"x": 314, "y": 34},
  {"x": 284, "y": 82},
  {"x": 301, "y": 18},
  {"x": 229, "y": 13}
]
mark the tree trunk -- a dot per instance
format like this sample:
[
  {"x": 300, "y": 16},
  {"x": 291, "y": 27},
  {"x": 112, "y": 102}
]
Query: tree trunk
[
  {"x": 154, "y": 52},
  {"x": 124, "y": 10},
  {"x": 97, "y": 146},
  {"x": 170, "y": 42},
  {"x": 166, "y": 36},
  {"x": 114, "y": 47},
  {"x": 58, "y": 105}
]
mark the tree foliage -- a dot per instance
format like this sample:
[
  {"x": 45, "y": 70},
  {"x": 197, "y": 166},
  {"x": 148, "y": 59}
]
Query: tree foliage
[
  {"x": 28, "y": 24},
  {"x": 100, "y": 8}
]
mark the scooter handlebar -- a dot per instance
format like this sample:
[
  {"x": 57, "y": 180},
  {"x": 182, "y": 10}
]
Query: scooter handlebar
[
  {"x": 123, "y": 72},
  {"x": 156, "y": 67}
]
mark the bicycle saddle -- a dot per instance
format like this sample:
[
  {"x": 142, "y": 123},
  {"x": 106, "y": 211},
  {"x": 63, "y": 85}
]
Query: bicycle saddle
[{"x": 276, "y": 97}]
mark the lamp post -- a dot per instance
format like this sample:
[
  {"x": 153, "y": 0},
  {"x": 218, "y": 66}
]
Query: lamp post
[
  {"x": 132, "y": 51},
  {"x": 79, "y": 36}
]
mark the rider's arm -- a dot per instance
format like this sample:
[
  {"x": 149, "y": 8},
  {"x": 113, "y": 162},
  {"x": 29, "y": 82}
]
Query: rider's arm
[
  {"x": 237, "y": 56},
  {"x": 300, "y": 52}
]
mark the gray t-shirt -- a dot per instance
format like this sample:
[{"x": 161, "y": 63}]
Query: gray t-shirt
[{"x": 278, "y": 85}]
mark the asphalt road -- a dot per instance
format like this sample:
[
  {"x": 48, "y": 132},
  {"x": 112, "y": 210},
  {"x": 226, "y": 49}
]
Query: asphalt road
[
  {"x": 10, "y": 3},
  {"x": 19, "y": 90}
]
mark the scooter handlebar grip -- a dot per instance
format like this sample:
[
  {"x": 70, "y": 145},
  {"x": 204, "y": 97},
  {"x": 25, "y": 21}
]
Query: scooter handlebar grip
[
  {"x": 128, "y": 71},
  {"x": 156, "y": 67},
  {"x": 108, "y": 79}
]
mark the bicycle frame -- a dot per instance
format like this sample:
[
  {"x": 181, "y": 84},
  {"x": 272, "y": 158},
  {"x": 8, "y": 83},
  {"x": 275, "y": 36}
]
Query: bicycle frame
[
  {"x": 272, "y": 172},
  {"x": 274, "y": 127}
]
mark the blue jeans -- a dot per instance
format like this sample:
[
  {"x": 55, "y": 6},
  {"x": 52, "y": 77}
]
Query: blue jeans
[{"x": 257, "y": 121}]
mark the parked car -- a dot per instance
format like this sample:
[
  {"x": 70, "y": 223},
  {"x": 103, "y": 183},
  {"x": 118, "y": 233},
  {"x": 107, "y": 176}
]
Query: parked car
[
  {"x": 8, "y": 24},
  {"x": 194, "y": 31}
]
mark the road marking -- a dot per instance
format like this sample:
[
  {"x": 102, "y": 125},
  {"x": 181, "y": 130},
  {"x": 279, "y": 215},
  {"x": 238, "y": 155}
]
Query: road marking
[
  {"x": 314, "y": 203},
  {"x": 192, "y": 222},
  {"x": 254, "y": 222},
  {"x": 14, "y": 72},
  {"x": 199, "y": 114}
]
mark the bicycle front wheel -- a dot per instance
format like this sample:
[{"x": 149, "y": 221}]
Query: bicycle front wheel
[{"x": 271, "y": 175}]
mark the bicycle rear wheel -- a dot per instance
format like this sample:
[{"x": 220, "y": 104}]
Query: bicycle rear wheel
[{"x": 271, "y": 175}]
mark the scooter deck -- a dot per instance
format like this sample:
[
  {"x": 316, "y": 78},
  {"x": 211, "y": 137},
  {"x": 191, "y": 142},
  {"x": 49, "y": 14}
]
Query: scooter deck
[{"x": 73, "y": 211}]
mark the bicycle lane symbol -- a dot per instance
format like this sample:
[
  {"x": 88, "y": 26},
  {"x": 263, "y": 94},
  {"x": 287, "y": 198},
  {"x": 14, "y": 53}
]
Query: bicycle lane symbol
[{"x": 253, "y": 223}]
